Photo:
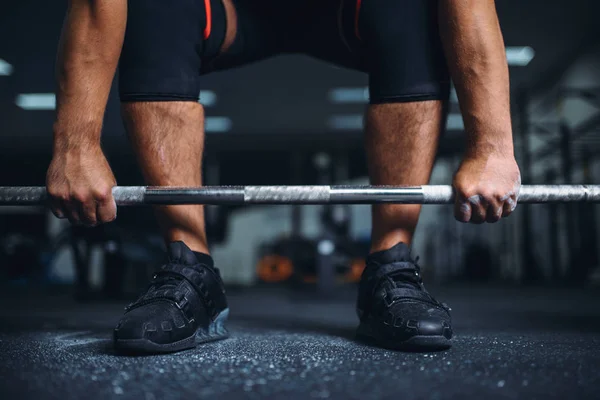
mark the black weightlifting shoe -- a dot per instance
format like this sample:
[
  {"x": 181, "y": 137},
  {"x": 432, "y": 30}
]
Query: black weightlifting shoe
[
  {"x": 395, "y": 310},
  {"x": 184, "y": 306}
]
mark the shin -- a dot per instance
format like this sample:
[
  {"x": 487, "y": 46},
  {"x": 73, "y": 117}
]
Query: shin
[
  {"x": 402, "y": 140},
  {"x": 168, "y": 138}
]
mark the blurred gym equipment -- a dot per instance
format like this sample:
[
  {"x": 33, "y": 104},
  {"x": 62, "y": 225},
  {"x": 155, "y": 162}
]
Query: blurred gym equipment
[{"x": 332, "y": 258}]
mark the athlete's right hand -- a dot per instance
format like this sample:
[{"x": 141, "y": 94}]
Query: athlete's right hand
[{"x": 79, "y": 185}]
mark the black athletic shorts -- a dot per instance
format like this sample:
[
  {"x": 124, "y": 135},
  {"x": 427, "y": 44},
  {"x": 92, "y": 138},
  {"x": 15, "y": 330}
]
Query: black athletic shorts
[{"x": 169, "y": 45}]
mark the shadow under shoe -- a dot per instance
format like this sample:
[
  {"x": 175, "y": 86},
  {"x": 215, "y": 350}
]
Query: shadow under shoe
[{"x": 185, "y": 305}]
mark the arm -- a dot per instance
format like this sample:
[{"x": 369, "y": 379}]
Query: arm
[
  {"x": 488, "y": 180},
  {"x": 477, "y": 59},
  {"x": 88, "y": 54},
  {"x": 79, "y": 179}
]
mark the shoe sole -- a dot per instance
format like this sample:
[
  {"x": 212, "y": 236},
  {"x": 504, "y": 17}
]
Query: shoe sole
[
  {"x": 418, "y": 343},
  {"x": 216, "y": 331}
]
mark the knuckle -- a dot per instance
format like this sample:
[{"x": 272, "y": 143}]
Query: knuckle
[
  {"x": 53, "y": 191},
  {"x": 101, "y": 195},
  {"x": 459, "y": 184},
  {"x": 488, "y": 193},
  {"x": 464, "y": 189},
  {"x": 103, "y": 192},
  {"x": 469, "y": 192},
  {"x": 57, "y": 193},
  {"x": 501, "y": 199},
  {"x": 79, "y": 196},
  {"x": 477, "y": 202}
]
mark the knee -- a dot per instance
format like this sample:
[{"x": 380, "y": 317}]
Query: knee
[
  {"x": 171, "y": 113},
  {"x": 163, "y": 123},
  {"x": 411, "y": 116}
]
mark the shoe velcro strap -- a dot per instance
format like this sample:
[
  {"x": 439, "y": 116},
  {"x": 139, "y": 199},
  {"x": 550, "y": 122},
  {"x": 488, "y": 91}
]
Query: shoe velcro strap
[
  {"x": 167, "y": 293},
  {"x": 205, "y": 281},
  {"x": 393, "y": 295},
  {"x": 387, "y": 269}
]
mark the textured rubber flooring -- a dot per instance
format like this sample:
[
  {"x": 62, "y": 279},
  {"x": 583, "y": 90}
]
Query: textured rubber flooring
[{"x": 510, "y": 343}]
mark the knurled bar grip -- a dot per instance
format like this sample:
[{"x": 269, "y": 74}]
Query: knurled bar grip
[{"x": 141, "y": 195}]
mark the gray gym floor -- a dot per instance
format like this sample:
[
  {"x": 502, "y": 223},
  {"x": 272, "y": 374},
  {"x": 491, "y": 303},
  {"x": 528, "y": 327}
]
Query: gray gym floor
[{"x": 510, "y": 343}]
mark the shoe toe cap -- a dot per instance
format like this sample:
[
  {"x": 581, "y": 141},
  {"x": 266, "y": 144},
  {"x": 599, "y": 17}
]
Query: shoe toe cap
[
  {"x": 146, "y": 323},
  {"x": 430, "y": 327},
  {"x": 416, "y": 320},
  {"x": 130, "y": 328}
]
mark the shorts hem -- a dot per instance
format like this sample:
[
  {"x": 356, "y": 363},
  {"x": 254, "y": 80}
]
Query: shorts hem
[
  {"x": 408, "y": 98},
  {"x": 127, "y": 98}
]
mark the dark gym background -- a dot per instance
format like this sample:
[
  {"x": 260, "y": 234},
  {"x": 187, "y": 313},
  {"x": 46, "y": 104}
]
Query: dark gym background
[{"x": 524, "y": 292}]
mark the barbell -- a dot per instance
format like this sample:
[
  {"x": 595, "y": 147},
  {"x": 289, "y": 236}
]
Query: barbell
[{"x": 163, "y": 195}]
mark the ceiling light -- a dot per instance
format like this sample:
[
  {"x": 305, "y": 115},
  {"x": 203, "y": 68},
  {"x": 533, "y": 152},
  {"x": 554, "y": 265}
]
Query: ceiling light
[
  {"x": 346, "y": 122},
  {"x": 36, "y": 101},
  {"x": 349, "y": 95},
  {"x": 207, "y": 98},
  {"x": 217, "y": 124},
  {"x": 5, "y": 68},
  {"x": 519, "y": 56}
]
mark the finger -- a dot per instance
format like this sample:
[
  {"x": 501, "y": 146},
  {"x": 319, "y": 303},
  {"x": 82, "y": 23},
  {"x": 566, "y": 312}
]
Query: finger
[
  {"x": 494, "y": 213},
  {"x": 71, "y": 211},
  {"x": 56, "y": 208},
  {"x": 58, "y": 213},
  {"x": 479, "y": 209},
  {"x": 106, "y": 211},
  {"x": 106, "y": 207},
  {"x": 55, "y": 203},
  {"x": 509, "y": 207},
  {"x": 462, "y": 210},
  {"x": 87, "y": 212}
]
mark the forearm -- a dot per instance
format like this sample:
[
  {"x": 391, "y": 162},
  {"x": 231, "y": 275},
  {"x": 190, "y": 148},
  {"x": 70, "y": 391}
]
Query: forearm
[
  {"x": 477, "y": 60},
  {"x": 87, "y": 58}
]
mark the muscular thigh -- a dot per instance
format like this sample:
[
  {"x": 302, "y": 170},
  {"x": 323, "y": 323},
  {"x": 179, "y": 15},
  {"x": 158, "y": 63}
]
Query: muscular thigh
[{"x": 395, "y": 41}]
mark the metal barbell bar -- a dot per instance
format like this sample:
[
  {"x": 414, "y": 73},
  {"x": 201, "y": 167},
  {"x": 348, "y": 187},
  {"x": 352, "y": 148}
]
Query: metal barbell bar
[{"x": 142, "y": 195}]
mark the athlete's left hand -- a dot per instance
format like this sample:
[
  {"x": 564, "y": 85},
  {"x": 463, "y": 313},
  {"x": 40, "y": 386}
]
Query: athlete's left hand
[{"x": 486, "y": 187}]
